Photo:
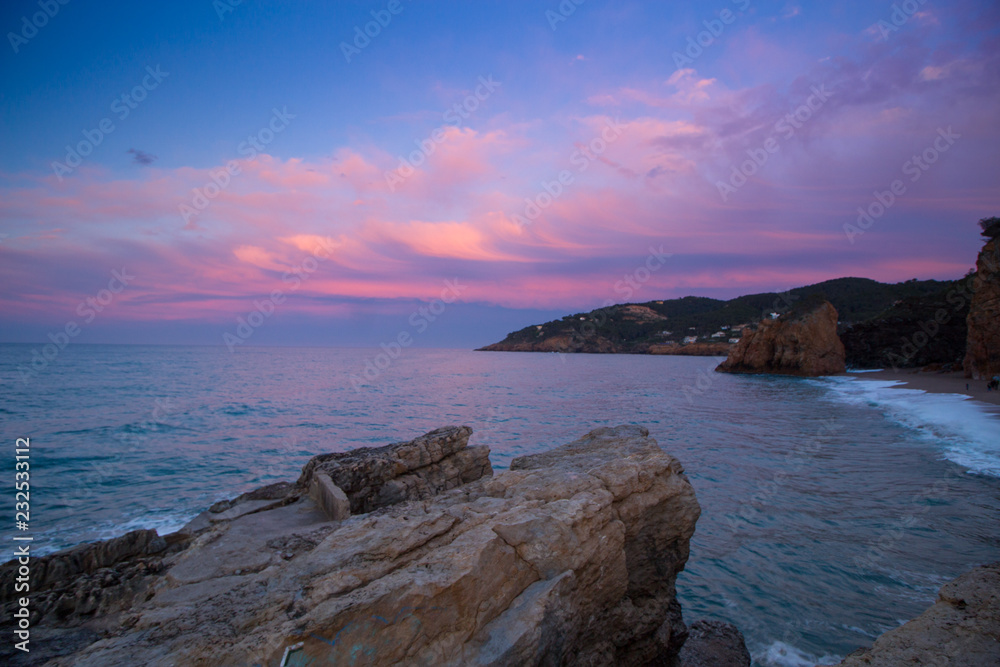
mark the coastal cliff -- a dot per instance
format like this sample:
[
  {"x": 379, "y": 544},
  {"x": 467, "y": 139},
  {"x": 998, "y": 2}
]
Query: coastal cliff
[
  {"x": 982, "y": 357},
  {"x": 570, "y": 557},
  {"x": 801, "y": 342}
]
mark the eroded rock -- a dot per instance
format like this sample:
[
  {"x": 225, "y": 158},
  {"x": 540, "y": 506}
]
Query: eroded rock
[
  {"x": 982, "y": 349},
  {"x": 801, "y": 342},
  {"x": 570, "y": 557}
]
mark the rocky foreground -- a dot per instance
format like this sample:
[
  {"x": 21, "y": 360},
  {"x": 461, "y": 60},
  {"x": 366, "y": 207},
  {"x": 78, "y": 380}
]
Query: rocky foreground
[{"x": 408, "y": 554}]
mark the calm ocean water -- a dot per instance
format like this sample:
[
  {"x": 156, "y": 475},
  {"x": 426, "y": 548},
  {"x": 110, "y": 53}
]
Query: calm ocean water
[{"x": 833, "y": 509}]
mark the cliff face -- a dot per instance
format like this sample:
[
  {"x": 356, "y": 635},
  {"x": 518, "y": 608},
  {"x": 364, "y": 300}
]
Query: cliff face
[
  {"x": 570, "y": 557},
  {"x": 803, "y": 342},
  {"x": 962, "y": 629},
  {"x": 982, "y": 356}
]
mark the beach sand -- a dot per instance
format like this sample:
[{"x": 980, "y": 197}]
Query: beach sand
[{"x": 938, "y": 383}]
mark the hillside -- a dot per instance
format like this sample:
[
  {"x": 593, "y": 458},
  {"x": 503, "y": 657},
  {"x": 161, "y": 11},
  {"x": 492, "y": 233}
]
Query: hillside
[{"x": 633, "y": 328}]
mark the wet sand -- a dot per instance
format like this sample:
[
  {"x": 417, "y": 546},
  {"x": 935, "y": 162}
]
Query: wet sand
[{"x": 938, "y": 383}]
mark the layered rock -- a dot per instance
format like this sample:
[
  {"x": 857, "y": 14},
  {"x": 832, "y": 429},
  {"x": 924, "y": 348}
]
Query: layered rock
[
  {"x": 962, "y": 629},
  {"x": 373, "y": 477},
  {"x": 570, "y": 557},
  {"x": 982, "y": 356},
  {"x": 801, "y": 342}
]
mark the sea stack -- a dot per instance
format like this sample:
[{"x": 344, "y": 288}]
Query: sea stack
[
  {"x": 803, "y": 342},
  {"x": 982, "y": 349}
]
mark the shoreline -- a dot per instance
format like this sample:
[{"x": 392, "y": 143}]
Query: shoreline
[{"x": 937, "y": 383}]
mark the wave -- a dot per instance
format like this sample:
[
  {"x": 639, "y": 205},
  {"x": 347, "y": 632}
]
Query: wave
[
  {"x": 780, "y": 654},
  {"x": 967, "y": 433}
]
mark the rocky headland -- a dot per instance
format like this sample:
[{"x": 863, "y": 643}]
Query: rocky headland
[
  {"x": 803, "y": 342},
  {"x": 408, "y": 554}
]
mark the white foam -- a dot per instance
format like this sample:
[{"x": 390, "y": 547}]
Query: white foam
[
  {"x": 968, "y": 434},
  {"x": 780, "y": 654}
]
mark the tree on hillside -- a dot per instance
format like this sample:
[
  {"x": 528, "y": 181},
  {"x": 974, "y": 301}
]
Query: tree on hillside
[{"x": 991, "y": 227}]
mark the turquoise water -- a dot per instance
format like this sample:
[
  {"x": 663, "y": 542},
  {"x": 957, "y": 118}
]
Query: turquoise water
[{"x": 833, "y": 509}]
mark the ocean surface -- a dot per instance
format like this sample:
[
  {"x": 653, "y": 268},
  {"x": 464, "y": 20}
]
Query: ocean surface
[{"x": 833, "y": 509}]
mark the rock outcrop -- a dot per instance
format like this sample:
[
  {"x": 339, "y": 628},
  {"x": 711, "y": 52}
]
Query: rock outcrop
[
  {"x": 982, "y": 349},
  {"x": 801, "y": 342},
  {"x": 570, "y": 557},
  {"x": 373, "y": 477},
  {"x": 962, "y": 629},
  {"x": 714, "y": 644}
]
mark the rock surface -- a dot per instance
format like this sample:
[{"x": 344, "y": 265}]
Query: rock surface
[
  {"x": 570, "y": 557},
  {"x": 982, "y": 355},
  {"x": 962, "y": 629},
  {"x": 801, "y": 342},
  {"x": 714, "y": 644},
  {"x": 373, "y": 477}
]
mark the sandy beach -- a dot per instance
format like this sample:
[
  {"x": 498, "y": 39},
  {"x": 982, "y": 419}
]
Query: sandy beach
[{"x": 938, "y": 383}]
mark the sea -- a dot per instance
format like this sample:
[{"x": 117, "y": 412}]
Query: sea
[{"x": 832, "y": 509}]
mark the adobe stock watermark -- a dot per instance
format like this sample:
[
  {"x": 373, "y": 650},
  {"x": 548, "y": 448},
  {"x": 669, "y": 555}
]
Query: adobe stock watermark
[
  {"x": 362, "y": 38},
  {"x": 562, "y": 13},
  {"x": 264, "y": 309},
  {"x": 223, "y": 7},
  {"x": 88, "y": 309},
  {"x": 714, "y": 28},
  {"x": 31, "y": 26},
  {"x": 786, "y": 127},
  {"x": 221, "y": 178},
  {"x": 121, "y": 106},
  {"x": 626, "y": 287},
  {"x": 915, "y": 167},
  {"x": 901, "y": 13},
  {"x": 453, "y": 117},
  {"x": 581, "y": 159},
  {"x": 419, "y": 320}
]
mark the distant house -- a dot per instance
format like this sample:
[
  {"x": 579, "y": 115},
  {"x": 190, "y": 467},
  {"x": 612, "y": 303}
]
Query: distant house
[
  {"x": 734, "y": 340},
  {"x": 775, "y": 316},
  {"x": 724, "y": 327},
  {"x": 690, "y": 339},
  {"x": 665, "y": 333},
  {"x": 718, "y": 334}
]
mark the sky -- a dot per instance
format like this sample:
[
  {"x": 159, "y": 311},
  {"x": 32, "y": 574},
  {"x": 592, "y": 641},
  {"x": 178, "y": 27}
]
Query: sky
[{"x": 348, "y": 173}]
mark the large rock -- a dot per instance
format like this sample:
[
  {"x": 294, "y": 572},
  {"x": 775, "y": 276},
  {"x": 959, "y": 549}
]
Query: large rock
[
  {"x": 982, "y": 349},
  {"x": 569, "y": 558},
  {"x": 962, "y": 629},
  {"x": 801, "y": 342}
]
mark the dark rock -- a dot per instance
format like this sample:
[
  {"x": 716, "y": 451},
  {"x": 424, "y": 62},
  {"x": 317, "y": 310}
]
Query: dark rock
[
  {"x": 982, "y": 357},
  {"x": 714, "y": 644}
]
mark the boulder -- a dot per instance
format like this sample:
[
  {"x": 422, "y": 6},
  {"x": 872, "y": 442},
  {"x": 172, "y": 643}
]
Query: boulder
[
  {"x": 982, "y": 348},
  {"x": 801, "y": 342},
  {"x": 961, "y": 629},
  {"x": 570, "y": 557},
  {"x": 714, "y": 644}
]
